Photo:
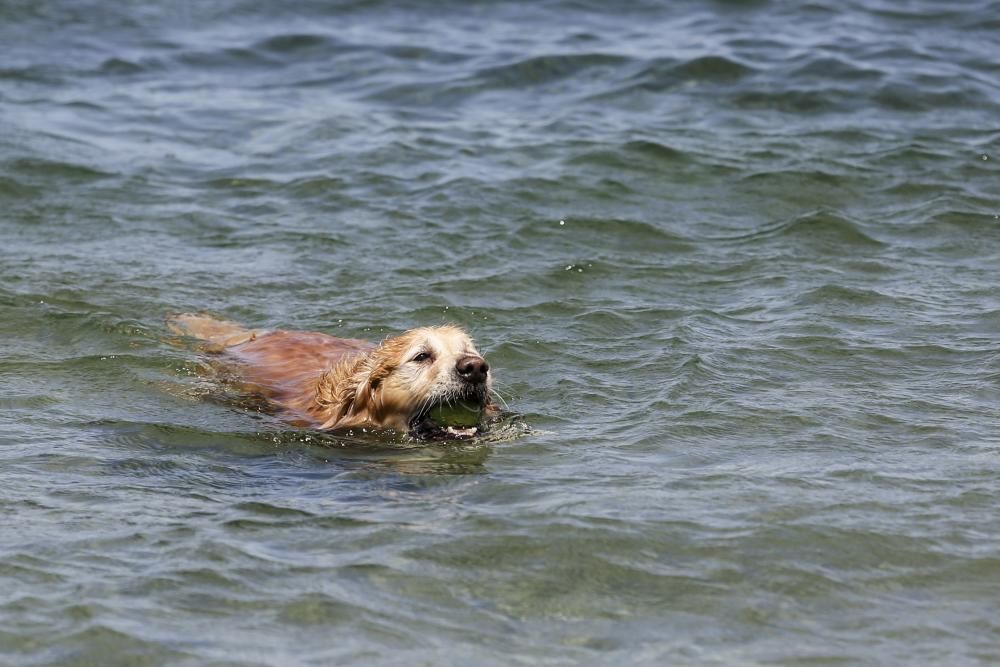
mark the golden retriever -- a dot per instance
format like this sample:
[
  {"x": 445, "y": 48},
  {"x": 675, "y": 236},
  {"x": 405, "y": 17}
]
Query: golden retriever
[{"x": 325, "y": 382}]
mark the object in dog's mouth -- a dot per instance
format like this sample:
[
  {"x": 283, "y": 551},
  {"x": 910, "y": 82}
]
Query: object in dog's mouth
[
  {"x": 461, "y": 419},
  {"x": 430, "y": 382}
]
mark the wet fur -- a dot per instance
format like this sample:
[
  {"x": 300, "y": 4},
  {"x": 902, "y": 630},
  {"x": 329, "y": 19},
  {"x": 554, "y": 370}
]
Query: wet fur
[{"x": 326, "y": 382}]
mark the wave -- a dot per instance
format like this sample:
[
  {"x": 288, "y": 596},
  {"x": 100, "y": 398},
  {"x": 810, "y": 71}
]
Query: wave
[
  {"x": 639, "y": 154},
  {"x": 545, "y": 69},
  {"x": 71, "y": 172},
  {"x": 821, "y": 229},
  {"x": 660, "y": 74}
]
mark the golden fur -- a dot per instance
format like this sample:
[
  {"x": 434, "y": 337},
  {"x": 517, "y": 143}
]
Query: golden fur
[{"x": 336, "y": 383}]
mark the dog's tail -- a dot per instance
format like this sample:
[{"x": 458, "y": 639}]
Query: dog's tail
[{"x": 219, "y": 334}]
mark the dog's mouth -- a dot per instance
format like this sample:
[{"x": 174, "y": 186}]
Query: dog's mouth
[{"x": 460, "y": 417}]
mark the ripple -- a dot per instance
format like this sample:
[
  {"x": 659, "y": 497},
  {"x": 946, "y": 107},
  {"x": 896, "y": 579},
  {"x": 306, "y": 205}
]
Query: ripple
[
  {"x": 622, "y": 234},
  {"x": 64, "y": 171},
  {"x": 663, "y": 73},
  {"x": 657, "y": 151},
  {"x": 541, "y": 70},
  {"x": 12, "y": 188},
  {"x": 828, "y": 294},
  {"x": 551, "y": 72},
  {"x": 121, "y": 67},
  {"x": 316, "y": 609},
  {"x": 229, "y": 58},
  {"x": 639, "y": 155},
  {"x": 299, "y": 45},
  {"x": 658, "y": 75},
  {"x": 917, "y": 98},
  {"x": 798, "y": 99},
  {"x": 832, "y": 68},
  {"x": 716, "y": 69},
  {"x": 821, "y": 230}
]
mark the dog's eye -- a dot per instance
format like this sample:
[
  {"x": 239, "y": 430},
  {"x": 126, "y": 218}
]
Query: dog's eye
[{"x": 423, "y": 356}]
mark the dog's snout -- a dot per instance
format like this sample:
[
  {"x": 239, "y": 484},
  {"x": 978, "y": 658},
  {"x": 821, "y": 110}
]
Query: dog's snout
[{"x": 472, "y": 369}]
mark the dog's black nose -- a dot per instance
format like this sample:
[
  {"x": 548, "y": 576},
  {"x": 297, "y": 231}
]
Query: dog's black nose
[{"x": 472, "y": 369}]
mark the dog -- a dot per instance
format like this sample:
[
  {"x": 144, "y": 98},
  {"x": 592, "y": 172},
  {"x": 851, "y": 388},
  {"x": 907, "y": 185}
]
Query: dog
[{"x": 405, "y": 383}]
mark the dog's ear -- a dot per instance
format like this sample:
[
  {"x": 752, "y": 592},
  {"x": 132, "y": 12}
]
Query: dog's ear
[
  {"x": 353, "y": 393},
  {"x": 364, "y": 394}
]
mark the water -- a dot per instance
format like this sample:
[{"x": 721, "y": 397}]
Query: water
[{"x": 735, "y": 265}]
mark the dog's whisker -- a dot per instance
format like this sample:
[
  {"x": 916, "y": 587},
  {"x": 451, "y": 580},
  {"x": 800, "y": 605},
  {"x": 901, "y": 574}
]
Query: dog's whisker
[{"x": 496, "y": 393}]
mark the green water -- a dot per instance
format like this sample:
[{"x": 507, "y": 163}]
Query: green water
[{"x": 735, "y": 266}]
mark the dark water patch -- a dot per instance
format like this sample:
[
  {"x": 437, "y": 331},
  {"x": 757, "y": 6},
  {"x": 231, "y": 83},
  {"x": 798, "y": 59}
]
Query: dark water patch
[
  {"x": 828, "y": 295},
  {"x": 267, "y": 510},
  {"x": 657, "y": 151},
  {"x": 796, "y": 100},
  {"x": 423, "y": 54},
  {"x": 542, "y": 70},
  {"x": 40, "y": 74},
  {"x": 243, "y": 186},
  {"x": 138, "y": 468},
  {"x": 607, "y": 323},
  {"x": 299, "y": 46},
  {"x": 71, "y": 323},
  {"x": 606, "y": 234},
  {"x": 27, "y": 401},
  {"x": 639, "y": 82},
  {"x": 90, "y": 644},
  {"x": 121, "y": 67},
  {"x": 717, "y": 69},
  {"x": 38, "y": 169},
  {"x": 640, "y": 156},
  {"x": 231, "y": 58},
  {"x": 832, "y": 68},
  {"x": 822, "y": 230},
  {"x": 927, "y": 14},
  {"x": 912, "y": 98},
  {"x": 164, "y": 438},
  {"x": 664, "y": 74},
  {"x": 827, "y": 230},
  {"x": 11, "y": 189},
  {"x": 316, "y": 609},
  {"x": 971, "y": 222}
]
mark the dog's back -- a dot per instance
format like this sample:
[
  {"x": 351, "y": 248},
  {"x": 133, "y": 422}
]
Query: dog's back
[{"x": 283, "y": 366}]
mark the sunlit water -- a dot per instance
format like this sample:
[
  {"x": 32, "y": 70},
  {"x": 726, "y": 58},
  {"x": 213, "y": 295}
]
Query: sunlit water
[{"x": 735, "y": 265}]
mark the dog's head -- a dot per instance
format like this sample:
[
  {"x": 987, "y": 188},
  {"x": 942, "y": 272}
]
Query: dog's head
[{"x": 402, "y": 382}]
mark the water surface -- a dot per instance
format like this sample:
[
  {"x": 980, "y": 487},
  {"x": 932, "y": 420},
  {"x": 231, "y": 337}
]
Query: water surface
[{"x": 734, "y": 263}]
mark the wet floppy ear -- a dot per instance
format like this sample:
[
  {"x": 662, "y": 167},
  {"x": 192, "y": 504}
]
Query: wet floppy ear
[
  {"x": 367, "y": 393},
  {"x": 361, "y": 399},
  {"x": 350, "y": 391}
]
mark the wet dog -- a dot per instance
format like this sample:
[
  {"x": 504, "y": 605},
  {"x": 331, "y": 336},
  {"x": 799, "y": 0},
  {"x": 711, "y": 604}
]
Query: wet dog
[{"x": 404, "y": 383}]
